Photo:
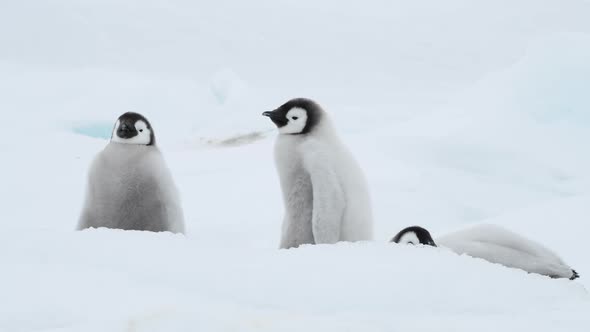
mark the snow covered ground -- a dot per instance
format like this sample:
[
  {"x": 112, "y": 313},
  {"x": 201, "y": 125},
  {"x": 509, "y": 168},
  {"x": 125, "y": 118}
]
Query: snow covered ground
[{"x": 459, "y": 112}]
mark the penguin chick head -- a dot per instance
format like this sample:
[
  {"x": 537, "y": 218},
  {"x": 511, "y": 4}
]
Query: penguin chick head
[
  {"x": 133, "y": 128},
  {"x": 414, "y": 235},
  {"x": 297, "y": 116}
]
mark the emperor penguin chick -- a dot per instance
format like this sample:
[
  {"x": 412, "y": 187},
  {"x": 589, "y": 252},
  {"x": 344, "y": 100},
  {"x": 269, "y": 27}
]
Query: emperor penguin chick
[
  {"x": 494, "y": 244},
  {"x": 324, "y": 190},
  {"x": 129, "y": 185}
]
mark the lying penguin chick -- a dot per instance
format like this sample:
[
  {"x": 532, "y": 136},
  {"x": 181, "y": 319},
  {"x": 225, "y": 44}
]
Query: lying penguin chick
[
  {"x": 129, "y": 185},
  {"x": 497, "y": 245},
  {"x": 324, "y": 190}
]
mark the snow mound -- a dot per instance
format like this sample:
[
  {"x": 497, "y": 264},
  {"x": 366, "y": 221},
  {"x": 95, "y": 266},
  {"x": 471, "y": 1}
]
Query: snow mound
[{"x": 157, "y": 281}]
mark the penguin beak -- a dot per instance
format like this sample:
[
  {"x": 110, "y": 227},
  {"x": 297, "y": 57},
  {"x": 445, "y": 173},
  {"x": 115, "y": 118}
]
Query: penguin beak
[
  {"x": 276, "y": 117},
  {"x": 271, "y": 114},
  {"x": 126, "y": 131}
]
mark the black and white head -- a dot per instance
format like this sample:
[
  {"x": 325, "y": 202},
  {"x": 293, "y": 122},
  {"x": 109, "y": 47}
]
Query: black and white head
[
  {"x": 414, "y": 235},
  {"x": 297, "y": 116},
  {"x": 133, "y": 128}
]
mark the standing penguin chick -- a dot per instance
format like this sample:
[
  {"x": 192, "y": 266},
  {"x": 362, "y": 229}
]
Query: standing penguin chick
[
  {"x": 129, "y": 184},
  {"x": 324, "y": 190},
  {"x": 497, "y": 245}
]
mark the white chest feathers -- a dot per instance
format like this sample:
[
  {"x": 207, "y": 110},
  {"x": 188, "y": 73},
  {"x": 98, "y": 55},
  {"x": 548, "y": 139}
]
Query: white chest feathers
[{"x": 324, "y": 191}]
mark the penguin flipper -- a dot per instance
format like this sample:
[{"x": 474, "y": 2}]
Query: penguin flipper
[{"x": 328, "y": 201}]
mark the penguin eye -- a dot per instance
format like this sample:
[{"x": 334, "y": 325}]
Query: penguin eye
[
  {"x": 141, "y": 130},
  {"x": 294, "y": 118}
]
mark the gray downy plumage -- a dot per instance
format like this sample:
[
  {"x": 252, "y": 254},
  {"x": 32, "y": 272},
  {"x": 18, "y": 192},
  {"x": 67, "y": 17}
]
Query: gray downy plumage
[
  {"x": 496, "y": 245},
  {"x": 129, "y": 185}
]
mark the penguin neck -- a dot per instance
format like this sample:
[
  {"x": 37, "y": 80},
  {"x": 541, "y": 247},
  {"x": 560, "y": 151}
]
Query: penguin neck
[{"x": 130, "y": 148}]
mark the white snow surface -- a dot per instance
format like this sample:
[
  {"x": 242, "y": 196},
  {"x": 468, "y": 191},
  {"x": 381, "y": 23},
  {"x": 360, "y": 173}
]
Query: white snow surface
[{"x": 460, "y": 112}]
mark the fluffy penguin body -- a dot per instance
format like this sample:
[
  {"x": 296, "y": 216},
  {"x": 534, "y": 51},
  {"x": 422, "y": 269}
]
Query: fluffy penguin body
[
  {"x": 496, "y": 245},
  {"x": 324, "y": 190},
  {"x": 129, "y": 185}
]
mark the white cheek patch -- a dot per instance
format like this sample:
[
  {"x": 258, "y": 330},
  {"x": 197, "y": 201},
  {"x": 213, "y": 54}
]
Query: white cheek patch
[
  {"x": 297, "y": 118},
  {"x": 409, "y": 238},
  {"x": 143, "y": 136},
  {"x": 141, "y": 126}
]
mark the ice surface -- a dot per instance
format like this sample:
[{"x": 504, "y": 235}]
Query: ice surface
[
  {"x": 458, "y": 111},
  {"x": 96, "y": 130}
]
